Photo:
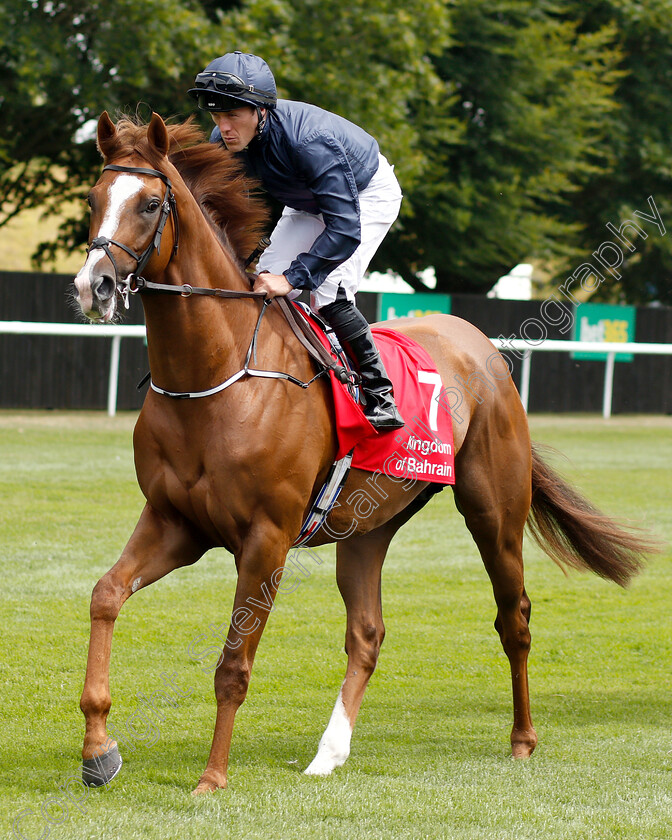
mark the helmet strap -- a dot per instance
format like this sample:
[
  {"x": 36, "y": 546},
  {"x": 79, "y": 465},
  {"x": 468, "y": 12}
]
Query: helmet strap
[{"x": 261, "y": 123}]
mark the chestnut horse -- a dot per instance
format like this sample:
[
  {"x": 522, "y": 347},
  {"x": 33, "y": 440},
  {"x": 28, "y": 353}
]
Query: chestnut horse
[{"x": 240, "y": 466}]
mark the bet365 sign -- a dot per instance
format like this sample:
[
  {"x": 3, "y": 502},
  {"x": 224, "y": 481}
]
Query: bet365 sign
[
  {"x": 396, "y": 305},
  {"x": 606, "y": 323}
]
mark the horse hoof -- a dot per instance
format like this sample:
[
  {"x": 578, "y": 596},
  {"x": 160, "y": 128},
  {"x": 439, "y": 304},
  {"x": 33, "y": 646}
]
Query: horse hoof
[
  {"x": 209, "y": 786},
  {"x": 319, "y": 767},
  {"x": 101, "y": 769},
  {"x": 523, "y": 749},
  {"x": 201, "y": 789}
]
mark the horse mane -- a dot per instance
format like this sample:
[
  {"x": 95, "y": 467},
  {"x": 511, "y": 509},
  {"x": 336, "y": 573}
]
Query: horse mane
[{"x": 228, "y": 198}]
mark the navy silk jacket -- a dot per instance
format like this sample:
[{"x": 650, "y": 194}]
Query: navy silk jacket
[{"x": 312, "y": 160}]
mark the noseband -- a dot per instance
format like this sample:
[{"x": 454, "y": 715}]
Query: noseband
[{"x": 168, "y": 208}]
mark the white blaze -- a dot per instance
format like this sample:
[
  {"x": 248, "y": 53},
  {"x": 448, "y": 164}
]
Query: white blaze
[{"x": 119, "y": 192}]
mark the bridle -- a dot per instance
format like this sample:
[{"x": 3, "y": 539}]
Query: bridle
[
  {"x": 135, "y": 283},
  {"x": 168, "y": 208}
]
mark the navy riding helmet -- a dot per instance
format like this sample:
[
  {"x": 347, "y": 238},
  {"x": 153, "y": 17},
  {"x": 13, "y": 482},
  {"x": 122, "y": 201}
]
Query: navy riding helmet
[{"x": 233, "y": 80}]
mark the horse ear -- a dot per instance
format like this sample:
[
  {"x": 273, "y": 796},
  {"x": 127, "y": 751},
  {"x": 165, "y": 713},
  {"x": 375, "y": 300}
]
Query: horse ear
[
  {"x": 106, "y": 133},
  {"x": 157, "y": 134}
]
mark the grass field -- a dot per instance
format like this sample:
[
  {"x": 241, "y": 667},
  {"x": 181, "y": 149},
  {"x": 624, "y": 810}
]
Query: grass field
[{"x": 430, "y": 756}]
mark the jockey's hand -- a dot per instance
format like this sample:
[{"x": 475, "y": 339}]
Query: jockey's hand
[{"x": 275, "y": 285}]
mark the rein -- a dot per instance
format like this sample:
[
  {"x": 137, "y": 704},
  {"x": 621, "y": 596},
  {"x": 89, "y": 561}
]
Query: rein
[
  {"x": 246, "y": 370},
  {"x": 140, "y": 285},
  {"x": 296, "y": 321},
  {"x": 135, "y": 283}
]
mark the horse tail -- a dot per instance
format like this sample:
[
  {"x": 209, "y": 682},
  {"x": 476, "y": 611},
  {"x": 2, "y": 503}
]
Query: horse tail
[{"x": 574, "y": 533}]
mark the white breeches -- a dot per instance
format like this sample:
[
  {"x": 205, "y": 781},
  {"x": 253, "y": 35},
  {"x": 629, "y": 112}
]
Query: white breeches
[{"x": 296, "y": 231}]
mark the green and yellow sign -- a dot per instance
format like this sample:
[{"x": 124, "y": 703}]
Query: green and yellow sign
[
  {"x": 604, "y": 322},
  {"x": 395, "y": 305}
]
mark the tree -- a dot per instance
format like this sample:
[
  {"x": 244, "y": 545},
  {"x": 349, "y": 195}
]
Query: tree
[
  {"x": 367, "y": 60},
  {"x": 61, "y": 64},
  {"x": 518, "y": 128},
  {"x": 637, "y": 141},
  {"x": 216, "y": 9},
  {"x": 532, "y": 94}
]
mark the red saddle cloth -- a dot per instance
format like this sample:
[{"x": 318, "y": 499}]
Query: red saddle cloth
[{"x": 423, "y": 449}]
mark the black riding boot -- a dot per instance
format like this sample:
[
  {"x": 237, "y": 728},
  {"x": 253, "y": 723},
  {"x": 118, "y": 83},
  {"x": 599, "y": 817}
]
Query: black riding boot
[{"x": 354, "y": 334}]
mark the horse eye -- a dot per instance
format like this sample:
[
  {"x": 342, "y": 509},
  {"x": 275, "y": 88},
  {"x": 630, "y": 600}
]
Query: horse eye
[
  {"x": 88, "y": 201},
  {"x": 153, "y": 206}
]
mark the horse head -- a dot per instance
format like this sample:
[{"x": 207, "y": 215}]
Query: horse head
[
  {"x": 148, "y": 170},
  {"x": 130, "y": 205}
]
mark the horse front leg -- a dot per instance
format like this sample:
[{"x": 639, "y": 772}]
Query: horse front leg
[
  {"x": 158, "y": 545},
  {"x": 260, "y": 568}
]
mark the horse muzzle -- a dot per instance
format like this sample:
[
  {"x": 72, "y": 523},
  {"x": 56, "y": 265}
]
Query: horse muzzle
[{"x": 95, "y": 292}]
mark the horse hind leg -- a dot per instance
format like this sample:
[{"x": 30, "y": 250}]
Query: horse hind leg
[
  {"x": 359, "y": 564},
  {"x": 358, "y": 572},
  {"x": 494, "y": 499}
]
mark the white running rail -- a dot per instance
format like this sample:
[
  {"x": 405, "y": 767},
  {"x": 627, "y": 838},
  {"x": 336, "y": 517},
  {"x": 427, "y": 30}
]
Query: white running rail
[
  {"x": 117, "y": 331},
  {"x": 114, "y": 331}
]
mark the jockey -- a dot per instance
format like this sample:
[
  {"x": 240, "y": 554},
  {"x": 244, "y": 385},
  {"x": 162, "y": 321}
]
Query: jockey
[{"x": 340, "y": 198}]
